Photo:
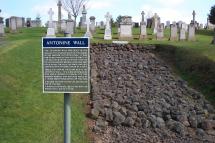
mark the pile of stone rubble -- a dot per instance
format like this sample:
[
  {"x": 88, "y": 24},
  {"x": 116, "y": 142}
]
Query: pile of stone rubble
[{"x": 136, "y": 97}]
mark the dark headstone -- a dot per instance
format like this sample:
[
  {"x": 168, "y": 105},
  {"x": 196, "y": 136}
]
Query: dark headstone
[
  {"x": 7, "y": 22},
  {"x": 136, "y": 24},
  {"x": 149, "y": 23}
]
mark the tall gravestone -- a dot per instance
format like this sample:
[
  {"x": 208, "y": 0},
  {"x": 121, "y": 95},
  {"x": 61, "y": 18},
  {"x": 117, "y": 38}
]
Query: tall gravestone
[
  {"x": 194, "y": 17},
  {"x": 13, "y": 24},
  {"x": 59, "y": 4},
  {"x": 155, "y": 23},
  {"x": 143, "y": 32},
  {"x": 167, "y": 24},
  {"x": 160, "y": 32},
  {"x": 102, "y": 26},
  {"x": 108, "y": 35},
  {"x": 70, "y": 27},
  {"x": 126, "y": 28},
  {"x": 173, "y": 32},
  {"x": 19, "y": 22},
  {"x": 92, "y": 24},
  {"x": 88, "y": 33},
  {"x": 182, "y": 33},
  {"x": 84, "y": 18},
  {"x": 191, "y": 33},
  {"x": 1, "y": 26},
  {"x": 28, "y": 22},
  {"x": 50, "y": 30}
]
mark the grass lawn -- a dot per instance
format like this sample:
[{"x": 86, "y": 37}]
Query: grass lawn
[{"x": 29, "y": 116}]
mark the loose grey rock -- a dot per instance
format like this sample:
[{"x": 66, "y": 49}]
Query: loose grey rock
[
  {"x": 109, "y": 114},
  {"x": 129, "y": 122},
  {"x": 118, "y": 118}
]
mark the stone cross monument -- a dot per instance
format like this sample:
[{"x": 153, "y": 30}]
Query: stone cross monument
[
  {"x": 88, "y": 33},
  {"x": 51, "y": 13},
  {"x": 108, "y": 35},
  {"x": 156, "y": 23},
  {"x": 194, "y": 16},
  {"x": 59, "y": 14},
  {"x": 84, "y": 18},
  {"x": 143, "y": 31},
  {"x": 50, "y": 30},
  {"x": 143, "y": 13}
]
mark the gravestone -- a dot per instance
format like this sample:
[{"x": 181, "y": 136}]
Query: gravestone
[
  {"x": 13, "y": 25},
  {"x": 1, "y": 26},
  {"x": 19, "y": 22},
  {"x": 28, "y": 22},
  {"x": 7, "y": 21},
  {"x": 92, "y": 24},
  {"x": 191, "y": 33},
  {"x": 155, "y": 23},
  {"x": 182, "y": 33},
  {"x": 50, "y": 30},
  {"x": 201, "y": 26},
  {"x": 194, "y": 17},
  {"x": 63, "y": 25},
  {"x": 70, "y": 27},
  {"x": 108, "y": 35},
  {"x": 167, "y": 24},
  {"x": 88, "y": 33},
  {"x": 102, "y": 26},
  {"x": 143, "y": 32},
  {"x": 55, "y": 26},
  {"x": 160, "y": 32},
  {"x": 126, "y": 28},
  {"x": 83, "y": 18},
  {"x": 59, "y": 4},
  {"x": 173, "y": 32},
  {"x": 149, "y": 22}
]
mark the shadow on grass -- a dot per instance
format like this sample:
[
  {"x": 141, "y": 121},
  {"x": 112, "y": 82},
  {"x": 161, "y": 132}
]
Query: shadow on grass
[{"x": 198, "y": 70}]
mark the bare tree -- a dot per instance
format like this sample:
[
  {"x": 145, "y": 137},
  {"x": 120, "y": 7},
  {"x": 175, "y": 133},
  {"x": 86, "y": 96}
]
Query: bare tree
[{"x": 74, "y": 7}]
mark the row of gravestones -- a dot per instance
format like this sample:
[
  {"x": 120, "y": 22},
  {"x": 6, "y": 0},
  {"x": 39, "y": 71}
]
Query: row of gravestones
[{"x": 125, "y": 29}]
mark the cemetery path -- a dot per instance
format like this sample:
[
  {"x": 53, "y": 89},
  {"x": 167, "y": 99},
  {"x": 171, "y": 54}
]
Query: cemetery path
[{"x": 137, "y": 98}]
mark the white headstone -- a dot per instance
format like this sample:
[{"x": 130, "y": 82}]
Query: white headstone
[
  {"x": 69, "y": 27},
  {"x": 55, "y": 26},
  {"x": 1, "y": 29},
  {"x": 63, "y": 25},
  {"x": 191, "y": 33},
  {"x": 88, "y": 33},
  {"x": 13, "y": 25},
  {"x": 92, "y": 24},
  {"x": 50, "y": 30},
  {"x": 51, "y": 13},
  {"x": 126, "y": 28},
  {"x": 108, "y": 35},
  {"x": 156, "y": 23},
  {"x": 182, "y": 34},
  {"x": 160, "y": 32},
  {"x": 173, "y": 32}
]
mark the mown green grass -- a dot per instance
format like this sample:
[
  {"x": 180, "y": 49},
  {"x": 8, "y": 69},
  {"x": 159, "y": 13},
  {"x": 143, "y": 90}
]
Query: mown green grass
[{"x": 26, "y": 114}]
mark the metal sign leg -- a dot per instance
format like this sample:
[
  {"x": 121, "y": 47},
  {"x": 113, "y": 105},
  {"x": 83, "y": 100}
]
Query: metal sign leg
[{"x": 67, "y": 118}]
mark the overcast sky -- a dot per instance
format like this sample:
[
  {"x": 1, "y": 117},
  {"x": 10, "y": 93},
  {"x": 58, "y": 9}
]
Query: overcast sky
[{"x": 173, "y": 10}]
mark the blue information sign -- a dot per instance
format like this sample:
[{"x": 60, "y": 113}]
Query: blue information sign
[{"x": 65, "y": 64}]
